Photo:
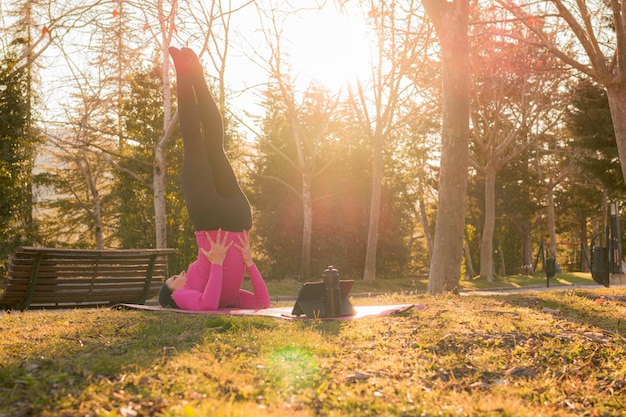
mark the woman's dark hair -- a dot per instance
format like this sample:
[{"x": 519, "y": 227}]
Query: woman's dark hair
[{"x": 165, "y": 297}]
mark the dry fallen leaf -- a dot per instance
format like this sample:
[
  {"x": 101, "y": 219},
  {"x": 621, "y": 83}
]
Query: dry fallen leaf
[{"x": 358, "y": 376}]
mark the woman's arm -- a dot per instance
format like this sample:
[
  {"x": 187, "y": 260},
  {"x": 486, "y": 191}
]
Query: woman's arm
[
  {"x": 209, "y": 298},
  {"x": 258, "y": 299}
]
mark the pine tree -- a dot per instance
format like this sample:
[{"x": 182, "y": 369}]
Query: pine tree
[{"x": 17, "y": 152}]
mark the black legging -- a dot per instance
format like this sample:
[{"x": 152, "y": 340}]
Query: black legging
[{"x": 213, "y": 196}]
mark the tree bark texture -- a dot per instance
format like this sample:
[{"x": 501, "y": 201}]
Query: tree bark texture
[
  {"x": 307, "y": 227},
  {"x": 426, "y": 227},
  {"x": 469, "y": 266},
  {"x": 159, "y": 164},
  {"x": 551, "y": 217},
  {"x": 82, "y": 161},
  {"x": 584, "y": 262},
  {"x": 158, "y": 185},
  {"x": 369, "y": 274},
  {"x": 616, "y": 93},
  {"x": 451, "y": 23},
  {"x": 486, "y": 245},
  {"x": 527, "y": 245}
]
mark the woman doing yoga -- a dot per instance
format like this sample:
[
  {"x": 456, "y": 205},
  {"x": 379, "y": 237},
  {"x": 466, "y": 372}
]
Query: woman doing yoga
[{"x": 218, "y": 208}]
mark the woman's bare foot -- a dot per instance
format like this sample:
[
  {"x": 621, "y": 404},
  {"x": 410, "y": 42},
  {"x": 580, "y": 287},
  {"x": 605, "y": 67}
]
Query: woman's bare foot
[
  {"x": 194, "y": 63},
  {"x": 181, "y": 63}
]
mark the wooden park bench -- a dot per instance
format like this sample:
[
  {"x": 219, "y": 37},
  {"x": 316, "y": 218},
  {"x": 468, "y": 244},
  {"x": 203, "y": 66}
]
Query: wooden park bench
[{"x": 41, "y": 278}]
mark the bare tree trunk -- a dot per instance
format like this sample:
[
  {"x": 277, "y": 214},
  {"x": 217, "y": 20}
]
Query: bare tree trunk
[
  {"x": 451, "y": 23},
  {"x": 486, "y": 245},
  {"x": 502, "y": 262},
  {"x": 97, "y": 214},
  {"x": 426, "y": 227},
  {"x": 167, "y": 27},
  {"x": 550, "y": 183},
  {"x": 469, "y": 266},
  {"x": 307, "y": 228},
  {"x": 398, "y": 43},
  {"x": 616, "y": 93},
  {"x": 158, "y": 183},
  {"x": 369, "y": 275},
  {"x": 551, "y": 218},
  {"x": 605, "y": 218},
  {"x": 584, "y": 265},
  {"x": 527, "y": 246},
  {"x": 82, "y": 161}
]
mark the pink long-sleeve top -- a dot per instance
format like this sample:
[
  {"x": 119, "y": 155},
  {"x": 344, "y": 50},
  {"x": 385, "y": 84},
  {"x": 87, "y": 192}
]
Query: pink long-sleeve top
[{"x": 211, "y": 286}]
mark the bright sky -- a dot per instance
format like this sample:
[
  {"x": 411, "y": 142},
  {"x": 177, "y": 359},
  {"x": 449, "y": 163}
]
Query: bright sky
[
  {"x": 324, "y": 45},
  {"x": 330, "y": 47}
]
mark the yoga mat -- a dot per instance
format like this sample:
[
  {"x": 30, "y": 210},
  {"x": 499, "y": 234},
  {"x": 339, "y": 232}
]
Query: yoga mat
[{"x": 282, "y": 312}]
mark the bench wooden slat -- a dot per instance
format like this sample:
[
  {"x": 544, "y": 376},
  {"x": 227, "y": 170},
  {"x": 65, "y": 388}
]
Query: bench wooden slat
[
  {"x": 46, "y": 265},
  {"x": 62, "y": 278},
  {"x": 102, "y": 297},
  {"x": 131, "y": 270},
  {"x": 118, "y": 272},
  {"x": 78, "y": 278},
  {"x": 101, "y": 292},
  {"x": 79, "y": 285},
  {"x": 48, "y": 268}
]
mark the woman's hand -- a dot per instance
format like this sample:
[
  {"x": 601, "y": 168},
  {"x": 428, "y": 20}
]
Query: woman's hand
[
  {"x": 219, "y": 248},
  {"x": 244, "y": 248}
]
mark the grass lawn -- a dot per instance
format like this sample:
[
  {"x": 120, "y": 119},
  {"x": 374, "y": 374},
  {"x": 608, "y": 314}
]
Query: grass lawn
[{"x": 556, "y": 353}]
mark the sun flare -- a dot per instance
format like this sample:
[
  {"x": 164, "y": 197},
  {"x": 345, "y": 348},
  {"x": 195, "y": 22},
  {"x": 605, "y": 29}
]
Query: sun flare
[{"x": 329, "y": 47}]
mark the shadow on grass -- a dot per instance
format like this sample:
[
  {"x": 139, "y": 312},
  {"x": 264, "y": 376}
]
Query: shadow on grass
[
  {"x": 520, "y": 281},
  {"x": 53, "y": 361},
  {"x": 584, "y": 308}
]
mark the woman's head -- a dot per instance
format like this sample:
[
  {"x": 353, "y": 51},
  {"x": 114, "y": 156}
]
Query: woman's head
[
  {"x": 176, "y": 282},
  {"x": 173, "y": 283}
]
